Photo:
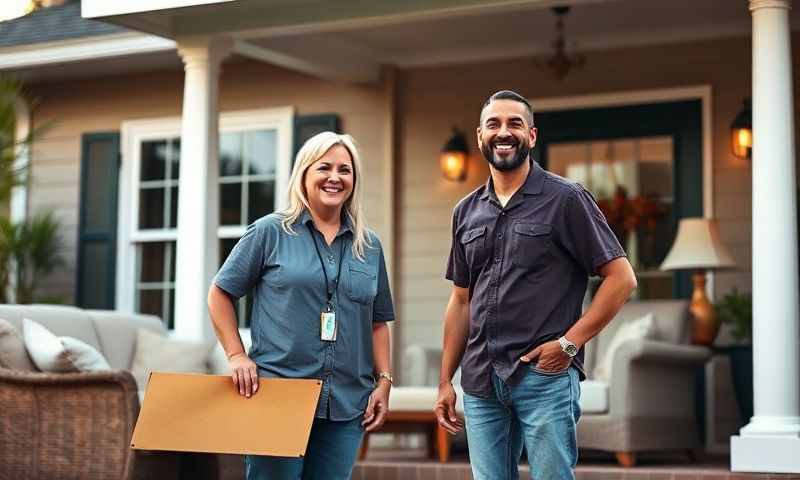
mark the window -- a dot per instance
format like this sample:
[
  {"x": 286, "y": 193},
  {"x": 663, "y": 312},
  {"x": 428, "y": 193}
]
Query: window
[
  {"x": 254, "y": 151},
  {"x": 631, "y": 179}
]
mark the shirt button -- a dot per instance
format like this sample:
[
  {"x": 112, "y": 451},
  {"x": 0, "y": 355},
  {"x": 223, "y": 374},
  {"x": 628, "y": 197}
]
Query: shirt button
[
  {"x": 503, "y": 214},
  {"x": 497, "y": 260},
  {"x": 500, "y": 235}
]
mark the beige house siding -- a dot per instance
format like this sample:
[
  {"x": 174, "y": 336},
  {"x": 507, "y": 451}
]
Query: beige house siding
[
  {"x": 432, "y": 100},
  {"x": 77, "y": 107}
]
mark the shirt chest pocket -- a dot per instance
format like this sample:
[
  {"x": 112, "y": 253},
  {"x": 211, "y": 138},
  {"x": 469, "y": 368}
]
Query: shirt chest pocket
[
  {"x": 473, "y": 241},
  {"x": 531, "y": 244},
  {"x": 362, "y": 283}
]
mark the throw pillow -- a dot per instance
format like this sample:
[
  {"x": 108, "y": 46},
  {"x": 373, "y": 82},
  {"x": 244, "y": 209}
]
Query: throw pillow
[
  {"x": 156, "y": 352},
  {"x": 60, "y": 354},
  {"x": 12, "y": 349},
  {"x": 640, "y": 329}
]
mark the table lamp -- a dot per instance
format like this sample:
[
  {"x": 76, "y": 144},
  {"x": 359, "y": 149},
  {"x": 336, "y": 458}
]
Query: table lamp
[{"x": 698, "y": 247}]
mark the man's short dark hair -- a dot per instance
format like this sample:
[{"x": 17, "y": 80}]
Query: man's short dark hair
[{"x": 509, "y": 95}]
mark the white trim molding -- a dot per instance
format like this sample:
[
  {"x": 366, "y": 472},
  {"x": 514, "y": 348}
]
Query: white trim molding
[{"x": 82, "y": 49}]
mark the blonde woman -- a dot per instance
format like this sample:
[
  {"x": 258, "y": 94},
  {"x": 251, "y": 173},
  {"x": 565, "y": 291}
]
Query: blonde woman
[{"x": 321, "y": 303}]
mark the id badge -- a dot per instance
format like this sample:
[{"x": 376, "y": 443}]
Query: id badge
[{"x": 328, "y": 326}]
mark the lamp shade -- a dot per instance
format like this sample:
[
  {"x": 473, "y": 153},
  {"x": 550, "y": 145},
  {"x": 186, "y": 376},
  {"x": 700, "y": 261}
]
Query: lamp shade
[{"x": 697, "y": 246}]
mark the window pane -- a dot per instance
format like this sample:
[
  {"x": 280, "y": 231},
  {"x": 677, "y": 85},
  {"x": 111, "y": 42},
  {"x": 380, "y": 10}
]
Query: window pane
[
  {"x": 151, "y": 208},
  {"x": 173, "y": 207},
  {"x": 151, "y": 302},
  {"x": 153, "y": 160},
  {"x": 261, "y": 200},
  {"x": 170, "y": 320},
  {"x": 225, "y": 247},
  {"x": 175, "y": 158},
  {"x": 631, "y": 179},
  {"x": 261, "y": 150},
  {"x": 230, "y": 154},
  {"x": 152, "y": 256},
  {"x": 230, "y": 204}
]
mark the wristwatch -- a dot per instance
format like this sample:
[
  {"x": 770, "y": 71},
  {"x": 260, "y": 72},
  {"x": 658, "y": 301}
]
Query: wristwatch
[
  {"x": 568, "y": 347},
  {"x": 386, "y": 375}
]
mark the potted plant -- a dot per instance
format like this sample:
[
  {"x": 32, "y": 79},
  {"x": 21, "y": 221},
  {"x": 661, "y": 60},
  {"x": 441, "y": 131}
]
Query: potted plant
[{"x": 736, "y": 310}]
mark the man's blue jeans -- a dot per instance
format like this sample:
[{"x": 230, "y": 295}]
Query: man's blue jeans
[
  {"x": 540, "y": 412},
  {"x": 330, "y": 455}
]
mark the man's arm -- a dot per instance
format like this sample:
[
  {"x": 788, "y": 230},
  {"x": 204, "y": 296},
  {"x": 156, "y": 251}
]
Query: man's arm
[
  {"x": 618, "y": 283},
  {"x": 456, "y": 329}
]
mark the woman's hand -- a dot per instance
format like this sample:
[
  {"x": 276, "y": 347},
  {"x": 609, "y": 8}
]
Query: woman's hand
[
  {"x": 377, "y": 407},
  {"x": 244, "y": 373}
]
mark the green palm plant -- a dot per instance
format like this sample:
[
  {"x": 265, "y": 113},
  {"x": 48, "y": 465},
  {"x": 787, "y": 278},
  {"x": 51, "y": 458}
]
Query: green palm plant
[{"x": 28, "y": 250}]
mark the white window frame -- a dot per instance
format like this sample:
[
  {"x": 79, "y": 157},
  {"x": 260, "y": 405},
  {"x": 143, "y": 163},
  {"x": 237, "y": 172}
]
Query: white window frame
[{"x": 135, "y": 132}]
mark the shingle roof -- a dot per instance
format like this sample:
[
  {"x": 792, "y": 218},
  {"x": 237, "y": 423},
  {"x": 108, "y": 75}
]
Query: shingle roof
[{"x": 50, "y": 24}]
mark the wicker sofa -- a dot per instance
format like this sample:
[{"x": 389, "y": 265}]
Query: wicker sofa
[{"x": 79, "y": 425}]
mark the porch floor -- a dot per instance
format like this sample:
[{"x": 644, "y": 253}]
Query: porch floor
[{"x": 412, "y": 464}]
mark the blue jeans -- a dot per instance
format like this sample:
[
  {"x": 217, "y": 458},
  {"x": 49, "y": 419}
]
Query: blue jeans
[
  {"x": 330, "y": 455},
  {"x": 540, "y": 412}
]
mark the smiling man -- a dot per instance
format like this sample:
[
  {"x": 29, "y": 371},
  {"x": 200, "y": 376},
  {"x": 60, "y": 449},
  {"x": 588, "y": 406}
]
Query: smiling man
[{"x": 524, "y": 245}]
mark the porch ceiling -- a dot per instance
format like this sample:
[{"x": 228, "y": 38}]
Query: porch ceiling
[{"x": 351, "y": 41}]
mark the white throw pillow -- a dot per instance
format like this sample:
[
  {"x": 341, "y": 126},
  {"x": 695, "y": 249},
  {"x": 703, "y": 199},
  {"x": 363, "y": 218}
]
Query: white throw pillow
[
  {"x": 157, "y": 352},
  {"x": 60, "y": 354},
  {"x": 638, "y": 329}
]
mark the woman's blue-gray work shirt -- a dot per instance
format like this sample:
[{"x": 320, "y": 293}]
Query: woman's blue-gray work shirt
[{"x": 284, "y": 273}]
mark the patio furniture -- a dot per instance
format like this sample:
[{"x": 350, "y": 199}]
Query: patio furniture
[
  {"x": 411, "y": 407},
  {"x": 649, "y": 400},
  {"x": 78, "y": 425}
]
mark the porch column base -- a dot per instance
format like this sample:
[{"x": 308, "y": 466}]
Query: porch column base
[{"x": 767, "y": 453}]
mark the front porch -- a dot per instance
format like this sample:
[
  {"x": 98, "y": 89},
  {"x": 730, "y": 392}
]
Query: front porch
[{"x": 411, "y": 464}]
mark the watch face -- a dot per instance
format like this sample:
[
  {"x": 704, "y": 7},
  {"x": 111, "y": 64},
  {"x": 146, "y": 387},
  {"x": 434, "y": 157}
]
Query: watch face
[{"x": 571, "y": 350}]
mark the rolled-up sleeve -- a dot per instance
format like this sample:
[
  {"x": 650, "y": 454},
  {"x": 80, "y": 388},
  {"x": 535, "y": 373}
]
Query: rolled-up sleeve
[
  {"x": 587, "y": 236},
  {"x": 383, "y": 307},
  {"x": 244, "y": 266}
]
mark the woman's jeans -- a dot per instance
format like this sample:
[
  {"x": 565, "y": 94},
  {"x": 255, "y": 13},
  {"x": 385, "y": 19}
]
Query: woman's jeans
[
  {"x": 331, "y": 453},
  {"x": 540, "y": 412}
]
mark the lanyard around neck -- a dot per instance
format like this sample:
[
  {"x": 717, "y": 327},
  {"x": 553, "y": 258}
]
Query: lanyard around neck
[{"x": 322, "y": 264}]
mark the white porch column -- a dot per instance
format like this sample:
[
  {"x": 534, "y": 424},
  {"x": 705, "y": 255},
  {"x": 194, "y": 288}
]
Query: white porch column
[
  {"x": 771, "y": 441},
  {"x": 198, "y": 216}
]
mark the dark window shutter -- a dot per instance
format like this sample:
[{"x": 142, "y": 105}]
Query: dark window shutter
[
  {"x": 97, "y": 231},
  {"x": 306, "y": 126}
]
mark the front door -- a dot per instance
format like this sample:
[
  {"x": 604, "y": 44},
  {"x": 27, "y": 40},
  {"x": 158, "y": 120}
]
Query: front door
[{"x": 644, "y": 166}]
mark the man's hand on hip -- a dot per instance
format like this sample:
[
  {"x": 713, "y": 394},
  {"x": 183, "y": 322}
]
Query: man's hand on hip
[
  {"x": 548, "y": 357},
  {"x": 445, "y": 409}
]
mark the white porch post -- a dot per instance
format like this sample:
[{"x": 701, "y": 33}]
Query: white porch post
[
  {"x": 197, "y": 250},
  {"x": 771, "y": 441}
]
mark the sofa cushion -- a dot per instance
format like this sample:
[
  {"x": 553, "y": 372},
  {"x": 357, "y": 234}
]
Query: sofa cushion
[
  {"x": 61, "y": 320},
  {"x": 117, "y": 333},
  {"x": 13, "y": 354},
  {"x": 156, "y": 352},
  {"x": 638, "y": 329},
  {"x": 594, "y": 397},
  {"x": 419, "y": 399},
  {"x": 60, "y": 354}
]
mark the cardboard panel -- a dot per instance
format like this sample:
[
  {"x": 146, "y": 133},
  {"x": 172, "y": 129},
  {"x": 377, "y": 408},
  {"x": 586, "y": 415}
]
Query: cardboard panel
[{"x": 203, "y": 413}]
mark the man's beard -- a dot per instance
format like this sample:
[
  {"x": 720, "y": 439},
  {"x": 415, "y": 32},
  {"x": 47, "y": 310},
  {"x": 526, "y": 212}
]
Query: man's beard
[{"x": 508, "y": 164}]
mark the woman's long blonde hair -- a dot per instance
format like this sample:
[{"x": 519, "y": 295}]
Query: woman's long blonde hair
[{"x": 313, "y": 150}]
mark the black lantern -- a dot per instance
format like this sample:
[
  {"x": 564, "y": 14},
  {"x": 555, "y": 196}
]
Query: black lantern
[
  {"x": 742, "y": 132},
  {"x": 453, "y": 159}
]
